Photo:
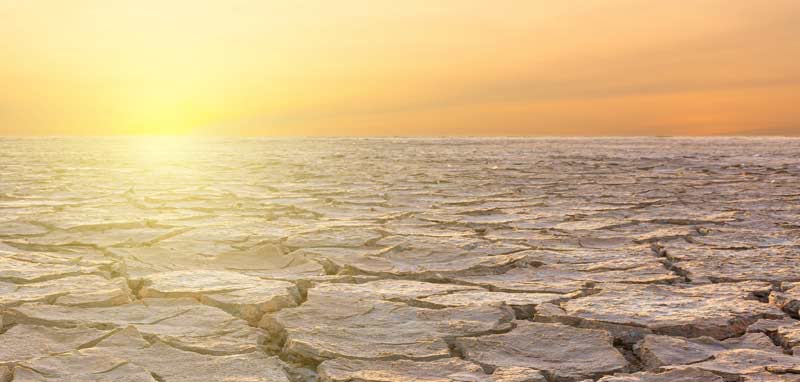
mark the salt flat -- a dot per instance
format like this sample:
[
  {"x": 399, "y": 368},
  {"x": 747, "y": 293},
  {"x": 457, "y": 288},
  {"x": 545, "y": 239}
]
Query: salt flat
[{"x": 605, "y": 259}]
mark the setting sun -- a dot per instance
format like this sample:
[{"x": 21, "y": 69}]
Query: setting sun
[{"x": 353, "y": 67}]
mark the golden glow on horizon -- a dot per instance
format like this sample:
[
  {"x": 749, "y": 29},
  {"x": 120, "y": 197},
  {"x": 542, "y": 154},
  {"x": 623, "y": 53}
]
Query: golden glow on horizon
[{"x": 416, "y": 67}]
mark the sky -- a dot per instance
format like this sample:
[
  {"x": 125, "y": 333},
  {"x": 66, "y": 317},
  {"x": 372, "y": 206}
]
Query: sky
[{"x": 407, "y": 68}]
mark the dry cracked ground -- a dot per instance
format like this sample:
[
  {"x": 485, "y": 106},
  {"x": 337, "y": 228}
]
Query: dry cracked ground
[{"x": 469, "y": 260}]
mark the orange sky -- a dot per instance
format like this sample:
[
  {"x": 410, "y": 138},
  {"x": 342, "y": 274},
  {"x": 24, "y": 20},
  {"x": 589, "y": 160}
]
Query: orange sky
[{"x": 411, "y": 67}]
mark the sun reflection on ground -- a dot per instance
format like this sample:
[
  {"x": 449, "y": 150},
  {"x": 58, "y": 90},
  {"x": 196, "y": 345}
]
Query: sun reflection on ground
[{"x": 155, "y": 151}]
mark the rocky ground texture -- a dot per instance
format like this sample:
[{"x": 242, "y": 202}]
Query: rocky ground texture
[{"x": 399, "y": 260}]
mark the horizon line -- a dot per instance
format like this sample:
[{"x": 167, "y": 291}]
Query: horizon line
[{"x": 2, "y": 136}]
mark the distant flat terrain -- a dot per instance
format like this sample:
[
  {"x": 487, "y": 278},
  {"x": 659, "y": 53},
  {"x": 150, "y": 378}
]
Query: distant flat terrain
[{"x": 496, "y": 259}]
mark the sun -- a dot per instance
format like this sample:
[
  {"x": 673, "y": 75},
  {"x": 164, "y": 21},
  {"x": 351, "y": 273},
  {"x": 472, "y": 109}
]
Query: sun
[{"x": 161, "y": 107}]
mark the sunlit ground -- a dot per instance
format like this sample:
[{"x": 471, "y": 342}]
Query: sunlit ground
[
  {"x": 204, "y": 259},
  {"x": 158, "y": 150}
]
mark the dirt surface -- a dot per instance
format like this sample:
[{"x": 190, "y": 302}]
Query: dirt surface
[{"x": 399, "y": 260}]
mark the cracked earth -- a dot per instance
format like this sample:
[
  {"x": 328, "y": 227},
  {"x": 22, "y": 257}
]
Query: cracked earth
[{"x": 399, "y": 260}]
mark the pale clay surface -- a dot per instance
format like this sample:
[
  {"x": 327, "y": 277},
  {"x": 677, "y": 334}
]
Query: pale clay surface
[{"x": 400, "y": 260}]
